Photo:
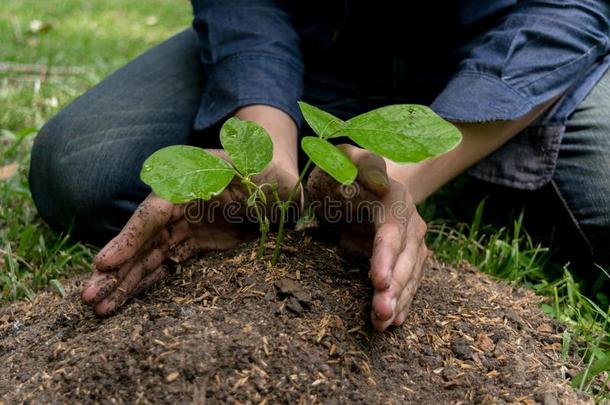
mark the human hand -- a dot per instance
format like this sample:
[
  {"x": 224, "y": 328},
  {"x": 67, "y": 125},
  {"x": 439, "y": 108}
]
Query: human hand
[
  {"x": 383, "y": 221},
  {"x": 159, "y": 230}
]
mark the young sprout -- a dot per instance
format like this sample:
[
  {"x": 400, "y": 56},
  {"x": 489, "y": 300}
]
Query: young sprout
[
  {"x": 183, "y": 173},
  {"x": 403, "y": 133}
]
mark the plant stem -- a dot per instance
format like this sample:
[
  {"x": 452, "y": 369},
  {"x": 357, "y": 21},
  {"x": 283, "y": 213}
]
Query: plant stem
[
  {"x": 299, "y": 181},
  {"x": 263, "y": 222},
  {"x": 280, "y": 233},
  {"x": 284, "y": 211}
]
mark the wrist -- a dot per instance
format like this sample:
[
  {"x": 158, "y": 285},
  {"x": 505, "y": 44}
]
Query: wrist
[{"x": 412, "y": 177}]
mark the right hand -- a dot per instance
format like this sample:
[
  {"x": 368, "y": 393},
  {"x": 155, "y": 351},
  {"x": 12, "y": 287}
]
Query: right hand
[
  {"x": 378, "y": 219},
  {"x": 159, "y": 230}
]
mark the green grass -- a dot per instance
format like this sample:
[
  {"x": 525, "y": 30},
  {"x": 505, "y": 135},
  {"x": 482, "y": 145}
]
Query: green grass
[
  {"x": 510, "y": 254},
  {"x": 97, "y": 36}
]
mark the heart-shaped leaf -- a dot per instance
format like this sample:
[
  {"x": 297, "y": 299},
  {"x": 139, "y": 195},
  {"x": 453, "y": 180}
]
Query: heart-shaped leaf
[
  {"x": 324, "y": 124},
  {"x": 247, "y": 144},
  {"x": 183, "y": 173},
  {"x": 330, "y": 159},
  {"x": 404, "y": 133}
]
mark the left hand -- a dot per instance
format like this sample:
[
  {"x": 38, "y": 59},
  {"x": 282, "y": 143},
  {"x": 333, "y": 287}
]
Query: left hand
[
  {"x": 159, "y": 230},
  {"x": 384, "y": 222}
]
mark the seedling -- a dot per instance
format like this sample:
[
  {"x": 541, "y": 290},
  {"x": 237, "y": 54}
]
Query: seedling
[{"x": 402, "y": 133}]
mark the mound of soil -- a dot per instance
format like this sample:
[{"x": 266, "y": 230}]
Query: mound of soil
[{"x": 230, "y": 328}]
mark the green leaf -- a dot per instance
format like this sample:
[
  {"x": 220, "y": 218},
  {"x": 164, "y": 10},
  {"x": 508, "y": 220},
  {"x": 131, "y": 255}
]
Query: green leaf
[
  {"x": 600, "y": 365},
  {"x": 324, "y": 124},
  {"x": 330, "y": 159},
  {"x": 252, "y": 199},
  {"x": 565, "y": 344},
  {"x": 547, "y": 309},
  {"x": 247, "y": 144},
  {"x": 404, "y": 133},
  {"x": 183, "y": 173},
  {"x": 59, "y": 287}
]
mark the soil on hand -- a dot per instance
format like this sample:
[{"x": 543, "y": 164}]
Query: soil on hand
[{"x": 228, "y": 328}]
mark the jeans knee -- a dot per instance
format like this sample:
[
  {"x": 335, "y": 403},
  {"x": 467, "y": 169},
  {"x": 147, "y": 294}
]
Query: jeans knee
[
  {"x": 43, "y": 162},
  {"x": 72, "y": 186}
]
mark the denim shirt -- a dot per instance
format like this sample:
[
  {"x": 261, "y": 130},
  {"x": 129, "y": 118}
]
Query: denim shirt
[{"x": 489, "y": 60}]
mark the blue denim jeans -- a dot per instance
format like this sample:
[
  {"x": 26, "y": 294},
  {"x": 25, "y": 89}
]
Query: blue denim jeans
[{"x": 86, "y": 160}]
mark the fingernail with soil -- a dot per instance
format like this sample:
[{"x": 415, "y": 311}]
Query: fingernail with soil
[
  {"x": 105, "y": 307},
  {"x": 88, "y": 292},
  {"x": 399, "y": 320}
]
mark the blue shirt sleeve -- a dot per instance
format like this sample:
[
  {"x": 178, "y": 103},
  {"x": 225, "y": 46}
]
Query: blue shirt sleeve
[
  {"x": 250, "y": 52},
  {"x": 537, "y": 52}
]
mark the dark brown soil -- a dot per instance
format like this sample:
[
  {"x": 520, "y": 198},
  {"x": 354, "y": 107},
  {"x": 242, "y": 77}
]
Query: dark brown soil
[{"x": 229, "y": 328}]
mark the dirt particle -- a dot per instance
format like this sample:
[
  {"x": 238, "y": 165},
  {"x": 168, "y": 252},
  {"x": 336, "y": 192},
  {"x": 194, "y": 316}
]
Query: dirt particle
[
  {"x": 545, "y": 328},
  {"x": 287, "y": 286},
  {"x": 461, "y": 348},
  {"x": 484, "y": 343},
  {"x": 294, "y": 306},
  {"x": 171, "y": 377},
  {"x": 547, "y": 398}
]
